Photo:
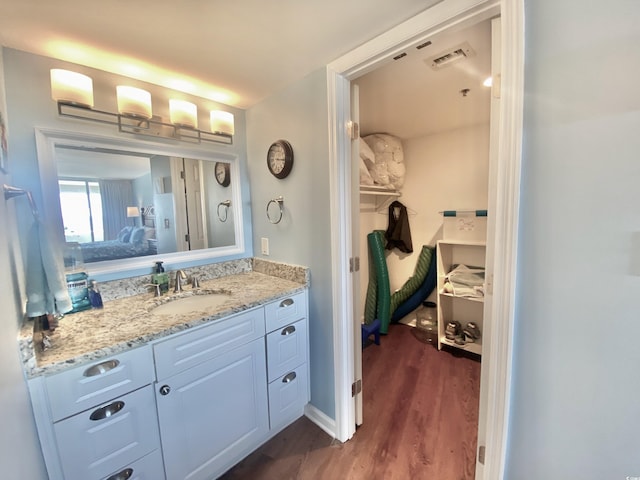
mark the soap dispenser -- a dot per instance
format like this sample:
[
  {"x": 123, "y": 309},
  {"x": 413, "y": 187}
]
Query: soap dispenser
[
  {"x": 160, "y": 277},
  {"x": 94, "y": 295}
]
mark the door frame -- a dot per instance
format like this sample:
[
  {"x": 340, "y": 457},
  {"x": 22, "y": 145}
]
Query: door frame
[{"x": 497, "y": 357}]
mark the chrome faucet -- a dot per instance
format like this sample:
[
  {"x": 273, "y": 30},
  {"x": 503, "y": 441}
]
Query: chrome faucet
[{"x": 180, "y": 276}]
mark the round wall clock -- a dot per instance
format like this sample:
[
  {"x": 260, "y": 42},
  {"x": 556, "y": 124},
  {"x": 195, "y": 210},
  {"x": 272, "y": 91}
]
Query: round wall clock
[
  {"x": 280, "y": 158},
  {"x": 222, "y": 174}
]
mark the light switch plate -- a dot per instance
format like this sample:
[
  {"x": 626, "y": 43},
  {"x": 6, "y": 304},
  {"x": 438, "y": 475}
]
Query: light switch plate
[{"x": 264, "y": 245}]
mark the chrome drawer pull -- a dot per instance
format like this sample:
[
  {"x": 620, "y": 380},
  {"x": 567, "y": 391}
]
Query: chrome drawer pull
[
  {"x": 108, "y": 411},
  {"x": 289, "y": 377},
  {"x": 288, "y": 330},
  {"x": 101, "y": 368},
  {"x": 286, "y": 303},
  {"x": 123, "y": 475}
]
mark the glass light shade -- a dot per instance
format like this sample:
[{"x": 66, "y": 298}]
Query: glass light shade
[
  {"x": 71, "y": 87},
  {"x": 133, "y": 102},
  {"x": 222, "y": 122},
  {"x": 133, "y": 212},
  {"x": 183, "y": 114}
]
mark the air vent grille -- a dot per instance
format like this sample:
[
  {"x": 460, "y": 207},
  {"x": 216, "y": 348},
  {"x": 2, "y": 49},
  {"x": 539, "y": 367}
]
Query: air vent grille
[{"x": 451, "y": 56}]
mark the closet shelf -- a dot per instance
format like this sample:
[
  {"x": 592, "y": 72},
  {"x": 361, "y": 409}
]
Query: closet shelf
[
  {"x": 471, "y": 299},
  {"x": 378, "y": 190}
]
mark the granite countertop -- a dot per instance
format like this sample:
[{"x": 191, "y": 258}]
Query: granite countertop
[{"x": 129, "y": 322}]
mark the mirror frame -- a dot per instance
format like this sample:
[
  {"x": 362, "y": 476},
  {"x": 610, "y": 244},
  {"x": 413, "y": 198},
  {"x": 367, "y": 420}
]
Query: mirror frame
[{"x": 48, "y": 139}]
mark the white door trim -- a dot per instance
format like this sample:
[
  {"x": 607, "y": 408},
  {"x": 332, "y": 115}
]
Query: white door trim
[{"x": 447, "y": 14}]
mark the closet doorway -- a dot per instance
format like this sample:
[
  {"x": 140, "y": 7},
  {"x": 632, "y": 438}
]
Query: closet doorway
[
  {"x": 503, "y": 193},
  {"x": 425, "y": 123}
]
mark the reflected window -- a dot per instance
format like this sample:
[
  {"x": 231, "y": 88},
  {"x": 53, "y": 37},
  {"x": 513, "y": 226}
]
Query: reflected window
[{"x": 81, "y": 205}]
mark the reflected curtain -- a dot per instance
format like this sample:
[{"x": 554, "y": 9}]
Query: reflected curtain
[{"x": 116, "y": 196}]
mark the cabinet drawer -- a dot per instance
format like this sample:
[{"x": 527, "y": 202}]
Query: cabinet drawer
[
  {"x": 81, "y": 388},
  {"x": 149, "y": 467},
  {"x": 196, "y": 346},
  {"x": 287, "y": 397},
  {"x": 91, "y": 443},
  {"x": 287, "y": 310},
  {"x": 286, "y": 349}
]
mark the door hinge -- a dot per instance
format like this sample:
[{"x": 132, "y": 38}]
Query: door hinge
[
  {"x": 354, "y": 264},
  {"x": 356, "y": 388},
  {"x": 182, "y": 174},
  {"x": 186, "y": 237},
  {"x": 353, "y": 130},
  {"x": 481, "y": 452}
]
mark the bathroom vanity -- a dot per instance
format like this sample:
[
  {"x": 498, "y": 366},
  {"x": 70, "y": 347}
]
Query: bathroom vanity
[{"x": 183, "y": 394}]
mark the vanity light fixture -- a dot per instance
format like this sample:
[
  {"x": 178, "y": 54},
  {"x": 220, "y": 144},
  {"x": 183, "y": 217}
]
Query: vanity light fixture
[
  {"x": 222, "y": 122},
  {"x": 71, "y": 88},
  {"x": 73, "y": 93},
  {"x": 134, "y": 102},
  {"x": 183, "y": 113}
]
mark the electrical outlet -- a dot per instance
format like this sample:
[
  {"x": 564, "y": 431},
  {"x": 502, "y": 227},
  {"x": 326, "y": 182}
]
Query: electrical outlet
[{"x": 264, "y": 245}]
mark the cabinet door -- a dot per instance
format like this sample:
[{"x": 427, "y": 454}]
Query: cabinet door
[
  {"x": 287, "y": 397},
  {"x": 286, "y": 349},
  {"x": 214, "y": 414},
  {"x": 92, "y": 443},
  {"x": 149, "y": 467}
]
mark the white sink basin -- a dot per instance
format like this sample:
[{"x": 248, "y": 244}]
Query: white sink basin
[{"x": 193, "y": 303}]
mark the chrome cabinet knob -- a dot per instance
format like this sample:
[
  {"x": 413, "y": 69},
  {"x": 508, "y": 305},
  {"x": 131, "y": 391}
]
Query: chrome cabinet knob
[{"x": 165, "y": 389}]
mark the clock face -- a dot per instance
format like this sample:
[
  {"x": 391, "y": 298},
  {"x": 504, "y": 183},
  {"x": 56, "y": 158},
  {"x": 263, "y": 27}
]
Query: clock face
[
  {"x": 222, "y": 173},
  {"x": 280, "y": 159},
  {"x": 276, "y": 158}
]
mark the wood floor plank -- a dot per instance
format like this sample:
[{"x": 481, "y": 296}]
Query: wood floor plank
[{"x": 420, "y": 422}]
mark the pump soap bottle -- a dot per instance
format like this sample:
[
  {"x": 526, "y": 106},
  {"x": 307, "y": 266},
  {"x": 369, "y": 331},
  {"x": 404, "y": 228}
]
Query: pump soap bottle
[
  {"x": 94, "y": 295},
  {"x": 160, "y": 277}
]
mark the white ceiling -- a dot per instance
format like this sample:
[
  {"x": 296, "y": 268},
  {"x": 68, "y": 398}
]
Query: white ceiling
[
  {"x": 236, "y": 52},
  {"x": 407, "y": 98}
]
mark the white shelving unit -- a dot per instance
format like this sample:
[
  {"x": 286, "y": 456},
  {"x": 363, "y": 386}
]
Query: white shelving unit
[{"x": 457, "y": 308}]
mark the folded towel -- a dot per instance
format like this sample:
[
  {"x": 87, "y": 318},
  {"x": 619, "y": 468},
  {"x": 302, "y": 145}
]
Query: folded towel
[{"x": 46, "y": 284}]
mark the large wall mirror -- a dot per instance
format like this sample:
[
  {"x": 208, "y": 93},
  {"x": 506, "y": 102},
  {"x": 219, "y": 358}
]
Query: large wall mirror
[{"x": 125, "y": 203}]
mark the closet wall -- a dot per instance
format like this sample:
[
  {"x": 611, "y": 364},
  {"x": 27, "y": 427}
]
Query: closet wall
[{"x": 445, "y": 171}]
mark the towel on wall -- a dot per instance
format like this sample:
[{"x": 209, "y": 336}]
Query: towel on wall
[
  {"x": 398, "y": 234},
  {"x": 46, "y": 284}
]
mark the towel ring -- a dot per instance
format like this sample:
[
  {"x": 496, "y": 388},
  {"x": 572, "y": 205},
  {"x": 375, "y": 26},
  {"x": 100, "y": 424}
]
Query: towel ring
[
  {"x": 279, "y": 201},
  {"x": 226, "y": 204}
]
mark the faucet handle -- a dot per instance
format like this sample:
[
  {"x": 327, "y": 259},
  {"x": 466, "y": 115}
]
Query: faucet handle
[{"x": 158, "y": 292}]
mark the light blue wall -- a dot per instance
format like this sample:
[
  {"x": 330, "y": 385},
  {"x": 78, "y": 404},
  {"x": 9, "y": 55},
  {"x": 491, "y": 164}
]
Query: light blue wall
[
  {"x": 29, "y": 105},
  {"x": 576, "y": 391},
  {"x": 20, "y": 454},
  {"x": 299, "y": 115}
]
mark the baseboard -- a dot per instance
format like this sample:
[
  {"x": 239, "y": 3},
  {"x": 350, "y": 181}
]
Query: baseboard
[{"x": 320, "y": 419}]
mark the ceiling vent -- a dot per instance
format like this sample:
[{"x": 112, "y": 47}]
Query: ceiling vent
[{"x": 451, "y": 56}]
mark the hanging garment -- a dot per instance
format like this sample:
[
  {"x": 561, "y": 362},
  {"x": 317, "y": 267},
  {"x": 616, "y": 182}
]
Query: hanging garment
[
  {"x": 46, "y": 285},
  {"x": 398, "y": 234}
]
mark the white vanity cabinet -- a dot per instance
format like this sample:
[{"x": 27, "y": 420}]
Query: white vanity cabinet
[
  {"x": 212, "y": 396},
  {"x": 186, "y": 406},
  {"x": 99, "y": 421}
]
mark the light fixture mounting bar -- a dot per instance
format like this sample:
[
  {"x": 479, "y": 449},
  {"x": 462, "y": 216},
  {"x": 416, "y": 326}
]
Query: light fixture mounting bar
[{"x": 152, "y": 127}]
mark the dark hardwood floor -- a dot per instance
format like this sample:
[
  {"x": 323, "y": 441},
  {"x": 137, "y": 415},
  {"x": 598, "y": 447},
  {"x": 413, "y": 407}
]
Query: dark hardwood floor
[{"x": 420, "y": 422}]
